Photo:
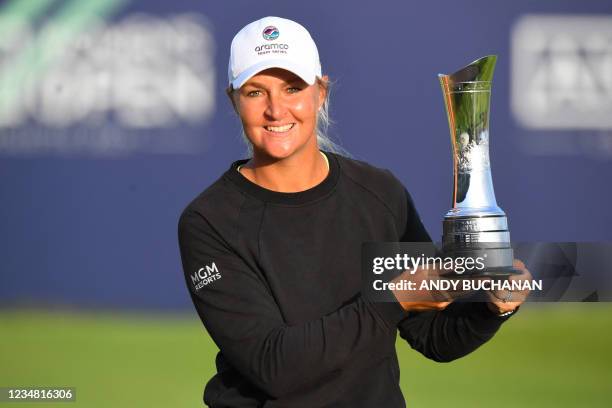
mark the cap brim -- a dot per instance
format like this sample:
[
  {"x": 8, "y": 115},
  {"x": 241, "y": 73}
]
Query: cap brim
[{"x": 306, "y": 74}]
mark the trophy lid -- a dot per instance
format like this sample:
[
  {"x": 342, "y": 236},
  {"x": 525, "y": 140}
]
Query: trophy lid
[{"x": 480, "y": 70}]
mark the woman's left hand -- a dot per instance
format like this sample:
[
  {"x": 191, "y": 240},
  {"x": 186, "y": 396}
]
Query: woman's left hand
[{"x": 502, "y": 301}]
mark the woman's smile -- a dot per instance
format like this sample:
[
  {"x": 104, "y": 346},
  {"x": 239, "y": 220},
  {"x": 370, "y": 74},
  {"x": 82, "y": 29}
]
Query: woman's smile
[{"x": 279, "y": 130}]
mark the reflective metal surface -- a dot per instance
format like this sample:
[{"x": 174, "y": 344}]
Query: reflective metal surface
[
  {"x": 475, "y": 216},
  {"x": 467, "y": 94},
  {"x": 471, "y": 224}
]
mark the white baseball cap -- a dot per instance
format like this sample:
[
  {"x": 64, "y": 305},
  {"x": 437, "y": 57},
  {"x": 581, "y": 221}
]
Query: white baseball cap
[{"x": 273, "y": 42}]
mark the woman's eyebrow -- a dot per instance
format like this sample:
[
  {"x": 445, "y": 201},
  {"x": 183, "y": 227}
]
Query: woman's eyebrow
[
  {"x": 290, "y": 82},
  {"x": 255, "y": 84}
]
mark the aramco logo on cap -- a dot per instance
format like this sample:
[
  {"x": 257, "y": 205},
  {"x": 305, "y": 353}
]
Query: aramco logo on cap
[{"x": 270, "y": 33}]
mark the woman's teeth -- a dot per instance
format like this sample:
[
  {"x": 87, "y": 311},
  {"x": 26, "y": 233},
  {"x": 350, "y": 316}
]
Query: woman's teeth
[{"x": 279, "y": 129}]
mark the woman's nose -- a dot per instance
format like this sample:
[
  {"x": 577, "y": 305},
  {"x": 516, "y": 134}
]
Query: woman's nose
[{"x": 276, "y": 107}]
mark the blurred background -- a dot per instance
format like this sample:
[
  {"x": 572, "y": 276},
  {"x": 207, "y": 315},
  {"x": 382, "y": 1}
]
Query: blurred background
[{"x": 113, "y": 117}]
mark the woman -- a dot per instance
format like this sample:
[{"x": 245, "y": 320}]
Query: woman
[{"x": 271, "y": 250}]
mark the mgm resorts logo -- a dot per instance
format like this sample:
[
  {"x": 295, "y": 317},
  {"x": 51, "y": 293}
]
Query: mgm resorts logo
[
  {"x": 205, "y": 275},
  {"x": 562, "y": 72}
]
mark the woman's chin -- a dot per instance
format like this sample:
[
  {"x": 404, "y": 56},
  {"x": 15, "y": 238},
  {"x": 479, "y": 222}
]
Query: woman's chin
[{"x": 278, "y": 149}]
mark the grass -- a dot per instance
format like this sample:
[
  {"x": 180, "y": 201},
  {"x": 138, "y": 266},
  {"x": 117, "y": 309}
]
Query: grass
[{"x": 553, "y": 356}]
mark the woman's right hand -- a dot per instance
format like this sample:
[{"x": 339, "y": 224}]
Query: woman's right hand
[{"x": 421, "y": 300}]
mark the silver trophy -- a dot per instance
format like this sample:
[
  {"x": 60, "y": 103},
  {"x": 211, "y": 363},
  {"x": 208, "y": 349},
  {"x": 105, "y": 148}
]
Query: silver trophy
[{"x": 475, "y": 225}]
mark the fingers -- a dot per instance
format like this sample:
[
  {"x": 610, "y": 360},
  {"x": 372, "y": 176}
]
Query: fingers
[
  {"x": 424, "y": 306},
  {"x": 419, "y": 298},
  {"x": 518, "y": 264},
  {"x": 506, "y": 300},
  {"x": 430, "y": 290}
]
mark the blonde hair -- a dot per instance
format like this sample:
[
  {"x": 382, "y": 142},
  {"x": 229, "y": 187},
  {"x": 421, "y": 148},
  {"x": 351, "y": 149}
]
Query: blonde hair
[{"x": 324, "y": 121}]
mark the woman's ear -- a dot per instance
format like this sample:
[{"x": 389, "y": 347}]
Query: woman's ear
[
  {"x": 323, "y": 87},
  {"x": 230, "y": 94}
]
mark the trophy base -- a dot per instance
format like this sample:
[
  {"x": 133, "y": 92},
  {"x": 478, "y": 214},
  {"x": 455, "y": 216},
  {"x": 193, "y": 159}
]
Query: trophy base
[{"x": 485, "y": 238}]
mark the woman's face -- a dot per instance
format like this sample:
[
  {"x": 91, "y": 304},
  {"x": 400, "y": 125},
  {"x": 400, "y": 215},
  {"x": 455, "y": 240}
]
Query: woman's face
[{"x": 278, "y": 111}]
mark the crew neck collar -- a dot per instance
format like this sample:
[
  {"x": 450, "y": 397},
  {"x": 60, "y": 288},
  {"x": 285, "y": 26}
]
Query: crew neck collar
[{"x": 297, "y": 198}]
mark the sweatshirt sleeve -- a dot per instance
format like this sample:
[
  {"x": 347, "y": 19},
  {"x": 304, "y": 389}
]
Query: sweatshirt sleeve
[
  {"x": 246, "y": 324},
  {"x": 453, "y": 332},
  {"x": 414, "y": 230}
]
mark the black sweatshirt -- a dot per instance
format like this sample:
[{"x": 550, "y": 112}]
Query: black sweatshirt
[{"x": 276, "y": 279}]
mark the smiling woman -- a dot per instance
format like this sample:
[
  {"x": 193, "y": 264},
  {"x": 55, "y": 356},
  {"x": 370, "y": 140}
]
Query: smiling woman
[
  {"x": 279, "y": 110},
  {"x": 282, "y": 231},
  {"x": 276, "y": 102}
]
